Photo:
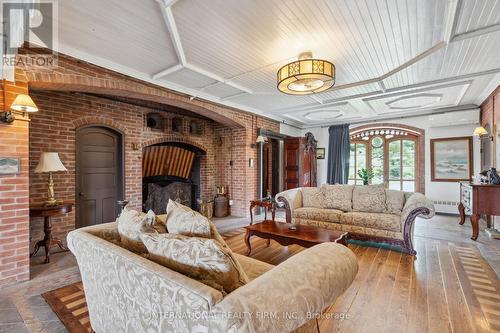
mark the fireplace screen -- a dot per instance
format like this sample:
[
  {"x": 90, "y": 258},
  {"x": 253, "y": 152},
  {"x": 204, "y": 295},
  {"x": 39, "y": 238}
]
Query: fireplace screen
[{"x": 170, "y": 171}]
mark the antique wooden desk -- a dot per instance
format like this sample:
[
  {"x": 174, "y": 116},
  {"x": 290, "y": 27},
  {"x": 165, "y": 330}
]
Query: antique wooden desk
[
  {"x": 478, "y": 199},
  {"x": 47, "y": 212}
]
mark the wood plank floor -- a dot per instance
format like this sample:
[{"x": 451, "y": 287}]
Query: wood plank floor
[{"x": 448, "y": 288}]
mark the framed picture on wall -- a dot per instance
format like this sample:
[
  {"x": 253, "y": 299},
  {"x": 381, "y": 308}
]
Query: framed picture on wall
[
  {"x": 320, "y": 153},
  {"x": 451, "y": 159},
  {"x": 9, "y": 166}
]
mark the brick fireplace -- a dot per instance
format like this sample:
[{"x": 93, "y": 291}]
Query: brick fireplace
[
  {"x": 172, "y": 171},
  {"x": 79, "y": 94}
]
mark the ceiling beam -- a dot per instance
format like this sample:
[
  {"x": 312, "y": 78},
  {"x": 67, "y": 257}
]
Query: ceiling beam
[
  {"x": 167, "y": 71},
  {"x": 216, "y": 77},
  {"x": 477, "y": 32},
  {"x": 169, "y": 19},
  {"x": 450, "y": 23},
  {"x": 234, "y": 96}
]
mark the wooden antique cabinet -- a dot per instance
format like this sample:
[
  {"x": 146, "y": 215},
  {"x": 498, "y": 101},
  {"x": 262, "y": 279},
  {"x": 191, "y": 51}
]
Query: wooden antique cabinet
[
  {"x": 300, "y": 162},
  {"x": 478, "y": 199}
]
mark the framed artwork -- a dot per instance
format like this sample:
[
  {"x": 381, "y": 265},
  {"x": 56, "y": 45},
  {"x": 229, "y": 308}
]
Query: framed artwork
[
  {"x": 9, "y": 166},
  {"x": 320, "y": 153},
  {"x": 451, "y": 159}
]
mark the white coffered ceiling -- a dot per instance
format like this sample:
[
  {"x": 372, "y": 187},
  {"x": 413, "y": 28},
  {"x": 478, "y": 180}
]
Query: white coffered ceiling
[{"x": 393, "y": 57}]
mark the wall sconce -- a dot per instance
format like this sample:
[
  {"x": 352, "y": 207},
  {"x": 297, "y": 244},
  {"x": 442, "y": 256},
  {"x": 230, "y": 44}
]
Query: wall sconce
[
  {"x": 136, "y": 146},
  {"x": 481, "y": 132},
  {"x": 22, "y": 103}
]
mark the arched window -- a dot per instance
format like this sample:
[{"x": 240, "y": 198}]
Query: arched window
[{"x": 390, "y": 152}]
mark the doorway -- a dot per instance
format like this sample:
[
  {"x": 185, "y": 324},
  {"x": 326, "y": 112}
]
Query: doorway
[
  {"x": 270, "y": 164},
  {"x": 99, "y": 175}
]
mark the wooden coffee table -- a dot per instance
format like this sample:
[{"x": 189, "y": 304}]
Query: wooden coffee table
[{"x": 304, "y": 235}]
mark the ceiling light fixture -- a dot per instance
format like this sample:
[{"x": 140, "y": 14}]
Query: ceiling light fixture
[{"x": 306, "y": 76}]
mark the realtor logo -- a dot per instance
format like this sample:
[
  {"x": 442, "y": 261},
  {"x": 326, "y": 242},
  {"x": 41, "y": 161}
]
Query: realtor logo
[{"x": 34, "y": 23}]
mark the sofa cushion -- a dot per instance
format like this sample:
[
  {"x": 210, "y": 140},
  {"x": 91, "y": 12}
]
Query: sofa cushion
[
  {"x": 318, "y": 214},
  {"x": 394, "y": 201},
  {"x": 338, "y": 197},
  {"x": 131, "y": 224},
  {"x": 253, "y": 268},
  {"x": 368, "y": 198},
  {"x": 312, "y": 197},
  {"x": 390, "y": 222},
  {"x": 203, "y": 259}
]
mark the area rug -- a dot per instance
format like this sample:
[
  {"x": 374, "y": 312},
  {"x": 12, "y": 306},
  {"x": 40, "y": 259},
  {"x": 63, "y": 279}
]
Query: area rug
[
  {"x": 470, "y": 282},
  {"x": 70, "y": 306}
]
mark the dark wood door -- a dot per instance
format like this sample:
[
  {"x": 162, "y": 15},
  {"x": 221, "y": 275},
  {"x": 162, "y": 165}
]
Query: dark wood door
[
  {"x": 292, "y": 163},
  {"x": 99, "y": 174}
]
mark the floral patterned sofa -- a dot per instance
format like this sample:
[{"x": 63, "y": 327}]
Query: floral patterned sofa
[
  {"x": 367, "y": 212},
  {"x": 126, "y": 292}
]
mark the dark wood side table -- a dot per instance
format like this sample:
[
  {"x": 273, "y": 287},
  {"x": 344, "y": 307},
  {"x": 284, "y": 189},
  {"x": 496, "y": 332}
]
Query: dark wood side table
[
  {"x": 266, "y": 204},
  {"x": 47, "y": 212},
  {"x": 485, "y": 200}
]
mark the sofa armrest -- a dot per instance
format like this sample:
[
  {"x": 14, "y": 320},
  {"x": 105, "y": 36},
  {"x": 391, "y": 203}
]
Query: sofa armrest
[
  {"x": 292, "y": 199},
  {"x": 291, "y": 293},
  {"x": 126, "y": 292},
  {"x": 416, "y": 204}
]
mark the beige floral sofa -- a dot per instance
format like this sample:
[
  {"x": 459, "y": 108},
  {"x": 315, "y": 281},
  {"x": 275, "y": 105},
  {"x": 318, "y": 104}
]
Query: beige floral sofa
[
  {"x": 125, "y": 292},
  {"x": 370, "y": 213}
]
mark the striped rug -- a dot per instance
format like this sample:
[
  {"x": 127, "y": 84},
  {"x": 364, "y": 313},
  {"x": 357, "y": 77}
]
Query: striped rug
[{"x": 70, "y": 306}]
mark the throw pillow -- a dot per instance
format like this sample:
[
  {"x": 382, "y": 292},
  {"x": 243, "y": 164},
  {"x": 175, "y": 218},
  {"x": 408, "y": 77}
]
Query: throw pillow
[
  {"x": 183, "y": 220},
  {"x": 312, "y": 197},
  {"x": 369, "y": 198},
  {"x": 203, "y": 259},
  {"x": 338, "y": 197},
  {"x": 394, "y": 201},
  {"x": 131, "y": 224}
]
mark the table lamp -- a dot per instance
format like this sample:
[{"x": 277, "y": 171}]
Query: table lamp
[{"x": 50, "y": 162}]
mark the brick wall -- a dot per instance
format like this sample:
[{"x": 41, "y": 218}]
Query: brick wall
[
  {"x": 227, "y": 139},
  {"x": 54, "y": 127},
  {"x": 14, "y": 207}
]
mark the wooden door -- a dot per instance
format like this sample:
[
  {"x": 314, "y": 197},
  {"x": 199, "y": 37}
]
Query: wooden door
[
  {"x": 292, "y": 163},
  {"x": 99, "y": 175}
]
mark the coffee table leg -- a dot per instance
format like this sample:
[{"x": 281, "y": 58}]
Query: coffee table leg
[{"x": 247, "y": 242}]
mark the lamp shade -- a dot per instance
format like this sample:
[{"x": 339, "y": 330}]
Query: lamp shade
[
  {"x": 480, "y": 131},
  {"x": 50, "y": 162},
  {"x": 24, "y": 103},
  {"x": 306, "y": 76}
]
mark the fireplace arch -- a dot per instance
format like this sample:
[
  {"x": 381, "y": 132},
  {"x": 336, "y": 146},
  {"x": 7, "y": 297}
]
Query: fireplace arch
[{"x": 171, "y": 170}]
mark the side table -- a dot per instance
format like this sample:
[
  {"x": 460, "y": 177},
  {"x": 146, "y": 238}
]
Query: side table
[
  {"x": 47, "y": 212},
  {"x": 266, "y": 204}
]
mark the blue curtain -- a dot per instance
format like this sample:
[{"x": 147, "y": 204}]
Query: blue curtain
[{"x": 338, "y": 154}]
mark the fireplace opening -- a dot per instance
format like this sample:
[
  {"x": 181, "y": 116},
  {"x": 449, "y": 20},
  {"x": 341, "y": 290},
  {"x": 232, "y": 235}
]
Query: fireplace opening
[{"x": 170, "y": 170}]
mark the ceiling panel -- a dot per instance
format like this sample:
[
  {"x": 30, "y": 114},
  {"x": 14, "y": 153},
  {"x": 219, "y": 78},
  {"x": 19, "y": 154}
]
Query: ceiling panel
[
  {"x": 269, "y": 103},
  {"x": 477, "y": 14},
  {"x": 133, "y": 35},
  {"x": 365, "y": 39},
  {"x": 233, "y": 50},
  {"x": 188, "y": 78},
  {"x": 446, "y": 95},
  {"x": 222, "y": 90},
  {"x": 333, "y": 94}
]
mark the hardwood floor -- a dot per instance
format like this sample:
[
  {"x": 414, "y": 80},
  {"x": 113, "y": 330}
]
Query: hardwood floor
[{"x": 448, "y": 288}]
